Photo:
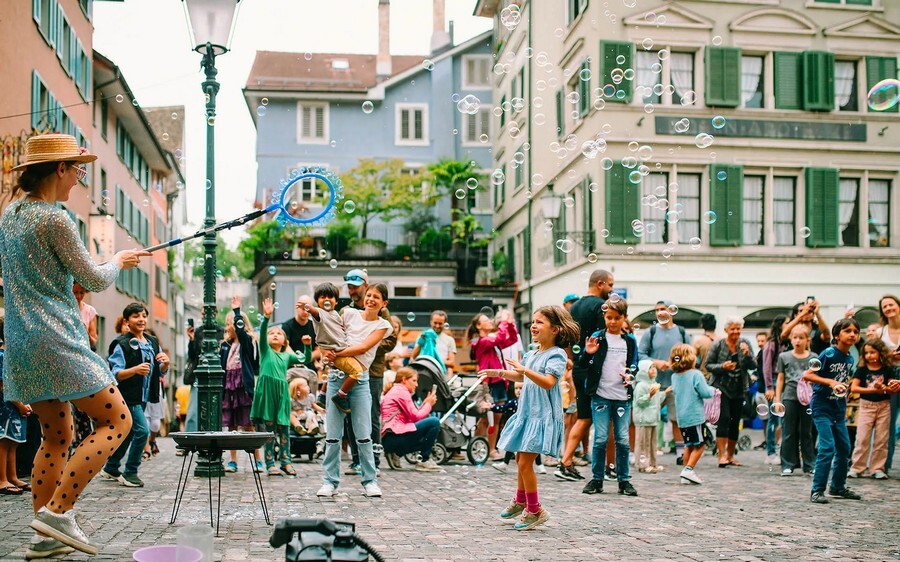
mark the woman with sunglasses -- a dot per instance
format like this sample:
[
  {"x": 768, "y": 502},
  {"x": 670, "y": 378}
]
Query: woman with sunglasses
[{"x": 49, "y": 362}]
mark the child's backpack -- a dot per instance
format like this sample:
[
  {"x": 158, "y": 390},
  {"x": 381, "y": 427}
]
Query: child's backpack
[
  {"x": 804, "y": 392},
  {"x": 713, "y": 406}
]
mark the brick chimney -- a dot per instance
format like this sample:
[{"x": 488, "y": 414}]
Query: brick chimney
[
  {"x": 439, "y": 38},
  {"x": 383, "y": 60}
]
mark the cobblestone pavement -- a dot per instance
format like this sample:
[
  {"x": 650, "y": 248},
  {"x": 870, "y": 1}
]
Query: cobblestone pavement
[{"x": 746, "y": 514}]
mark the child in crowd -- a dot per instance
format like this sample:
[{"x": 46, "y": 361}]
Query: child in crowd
[
  {"x": 306, "y": 415},
  {"x": 829, "y": 408},
  {"x": 537, "y": 426},
  {"x": 155, "y": 414},
  {"x": 331, "y": 335},
  {"x": 271, "y": 409},
  {"x": 507, "y": 409},
  {"x": 567, "y": 386},
  {"x": 182, "y": 398},
  {"x": 393, "y": 361},
  {"x": 647, "y": 403},
  {"x": 796, "y": 434},
  {"x": 690, "y": 388},
  {"x": 239, "y": 358},
  {"x": 138, "y": 364},
  {"x": 872, "y": 382},
  {"x": 607, "y": 355},
  {"x": 12, "y": 432}
]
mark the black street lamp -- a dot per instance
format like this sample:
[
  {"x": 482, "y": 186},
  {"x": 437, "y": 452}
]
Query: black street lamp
[{"x": 211, "y": 25}]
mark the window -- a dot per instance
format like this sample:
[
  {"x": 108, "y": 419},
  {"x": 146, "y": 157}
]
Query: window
[
  {"x": 783, "y": 197},
  {"x": 723, "y": 76},
  {"x": 63, "y": 38},
  {"x": 879, "y": 213},
  {"x": 500, "y": 188},
  {"x": 411, "y": 125},
  {"x": 848, "y": 211},
  {"x": 44, "y": 14},
  {"x": 520, "y": 171},
  {"x": 104, "y": 194},
  {"x": 754, "y": 195},
  {"x": 104, "y": 117},
  {"x": 576, "y": 8},
  {"x": 313, "y": 125},
  {"x": 44, "y": 107},
  {"x": 584, "y": 88},
  {"x": 846, "y": 2},
  {"x": 752, "y": 81},
  {"x": 87, "y": 7},
  {"x": 477, "y": 125},
  {"x": 161, "y": 283},
  {"x": 845, "y": 85},
  {"x": 654, "y": 186},
  {"x": 688, "y": 206},
  {"x": 665, "y": 82},
  {"x": 476, "y": 72}
]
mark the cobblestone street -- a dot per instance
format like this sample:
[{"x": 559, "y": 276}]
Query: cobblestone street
[{"x": 746, "y": 514}]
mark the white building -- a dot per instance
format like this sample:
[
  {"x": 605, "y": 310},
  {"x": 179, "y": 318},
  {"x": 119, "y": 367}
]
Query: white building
[{"x": 718, "y": 154}]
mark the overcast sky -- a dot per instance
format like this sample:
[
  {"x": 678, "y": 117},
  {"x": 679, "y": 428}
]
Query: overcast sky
[{"x": 149, "y": 41}]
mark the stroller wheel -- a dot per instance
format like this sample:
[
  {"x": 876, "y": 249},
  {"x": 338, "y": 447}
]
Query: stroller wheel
[
  {"x": 440, "y": 454},
  {"x": 412, "y": 458},
  {"x": 478, "y": 451}
]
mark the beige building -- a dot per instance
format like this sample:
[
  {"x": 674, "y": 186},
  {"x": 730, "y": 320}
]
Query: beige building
[{"x": 718, "y": 154}]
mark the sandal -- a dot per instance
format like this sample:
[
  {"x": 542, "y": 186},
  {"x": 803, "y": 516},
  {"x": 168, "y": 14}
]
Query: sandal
[
  {"x": 25, "y": 487},
  {"x": 11, "y": 491},
  {"x": 272, "y": 471},
  {"x": 733, "y": 462},
  {"x": 154, "y": 449},
  {"x": 289, "y": 470},
  {"x": 146, "y": 456}
]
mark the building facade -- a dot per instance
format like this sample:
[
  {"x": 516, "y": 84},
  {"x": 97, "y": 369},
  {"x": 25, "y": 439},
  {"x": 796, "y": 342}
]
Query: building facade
[{"x": 721, "y": 155}]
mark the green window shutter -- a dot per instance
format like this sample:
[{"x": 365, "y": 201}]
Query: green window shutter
[
  {"x": 822, "y": 189},
  {"x": 818, "y": 80},
  {"x": 878, "y": 69},
  {"x": 584, "y": 90},
  {"x": 723, "y": 76},
  {"x": 35, "y": 99},
  {"x": 560, "y": 113},
  {"x": 503, "y": 112},
  {"x": 609, "y": 52},
  {"x": 36, "y": 11},
  {"x": 511, "y": 257},
  {"x": 526, "y": 254},
  {"x": 860, "y": 2},
  {"x": 788, "y": 80},
  {"x": 726, "y": 200},
  {"x": 623, "y": 205}
]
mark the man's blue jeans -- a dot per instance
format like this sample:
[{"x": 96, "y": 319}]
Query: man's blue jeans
[
  {"x": 134, "y": 443},
  {"x": 834, "y": 449},
  {"x": 892, "y": 434},
  {"x": 361, "y": 418},
  {"x": 772, "y": 425},
  {"x": 421, "y": 440},
  {"x": 602, "y": 411}
]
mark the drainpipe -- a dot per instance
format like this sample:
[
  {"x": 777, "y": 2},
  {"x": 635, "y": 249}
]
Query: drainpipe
[{"x": 530, "y": 151}]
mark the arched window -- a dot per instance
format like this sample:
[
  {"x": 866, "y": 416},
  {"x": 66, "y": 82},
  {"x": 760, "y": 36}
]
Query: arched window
[
  {"x": 865, "y": 316},
  {"x": 685, "y": 317},
  {"x": 762, "y": 319}
]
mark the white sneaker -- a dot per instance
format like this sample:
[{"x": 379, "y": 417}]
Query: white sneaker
[
  {"x": 852, "y": 474},
  {"x": 880, "y": 475},
  {"x": 372, "y": 490},
  {"x": 427, "y": 466},
  {"x": 689, "y": 475},
  {"x": 63, "y": 528},
  {"x": 787, "y": 472},
  {"x": 773, "y": 459},
  {"x": 501, "y": 466},
  {"x": 327, "y": 490},
  {"x": 45, "y": 547},
  {"x": 541, "y": 469},
  {"x": 109, "y": 475}
]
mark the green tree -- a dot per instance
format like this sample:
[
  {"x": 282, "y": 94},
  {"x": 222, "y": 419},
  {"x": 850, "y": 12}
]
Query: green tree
[
  {"x": 267, "y": 237},
  {"x": 451, "y": 175},
  {"x": 467, "y": 234},
  {"x": 382, "y": 189},
  {"x": 226, "y": 259}
]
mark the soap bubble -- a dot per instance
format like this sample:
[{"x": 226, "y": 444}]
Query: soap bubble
[
  {"x": 884, "y": 95},
  {"x": 411, "y": 316},
  {"x": 427, "y": 64},
  {"x": 721, "y": 175},
  {"x": 762, "y": 410},
  {"x": 368, "y": 107},
  {"x": 682, "y": 125},
  {"x": 840, "y": 392},
  {"x": 273, "y": 285},
  {"x": 620, "y": 411},
  {"x": 805, "y": 232},
  {"x": 134, "y": 343},
  {"x": 718, "y": 122},
  {"x": 469, "y": 104},
  {"x": 709, "y": 217},
  {"x": 239, "y": 323},
  {"x": 472, "y": 183},
  {"x": 272, "y": 270},
  {"x": 460, "y": 193},
  {"x": 333, "y": 264},
  {"x": 576, "y": 349},
  {"x": 349, "y": 207},
  {"x": 695, "y": 243},
  {"x": 704, "y": 140},
  {"x": 814, "y": 364},
  {"x": 261, "y": 111},
  {"x": 673, "y": 309},
  {"x": 777, "y": 409}
]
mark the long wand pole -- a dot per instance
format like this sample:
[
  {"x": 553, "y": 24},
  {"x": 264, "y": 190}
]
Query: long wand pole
[{"x": 216, "y": 228}]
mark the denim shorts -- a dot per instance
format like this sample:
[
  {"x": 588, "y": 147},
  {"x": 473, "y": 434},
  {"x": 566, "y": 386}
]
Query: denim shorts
[{"x": 498, "y": 391}]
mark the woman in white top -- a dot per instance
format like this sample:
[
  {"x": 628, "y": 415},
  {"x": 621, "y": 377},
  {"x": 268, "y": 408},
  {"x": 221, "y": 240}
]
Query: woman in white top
[
  {"x": 889, "y": 311},
  {"x": 88, "y": 314}
]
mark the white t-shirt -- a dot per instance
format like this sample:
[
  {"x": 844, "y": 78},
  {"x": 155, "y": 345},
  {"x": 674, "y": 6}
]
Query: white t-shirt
[
  {"x": 611, "y": 384},
  {"x": 445, "y": 345},
  {"x": 358, "y": 330},
  {"x": 515, "y": 351}
]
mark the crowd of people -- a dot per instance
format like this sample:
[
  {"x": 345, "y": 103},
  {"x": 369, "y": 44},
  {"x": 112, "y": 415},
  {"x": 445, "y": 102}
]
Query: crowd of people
[{"x": 341, "y": 374}]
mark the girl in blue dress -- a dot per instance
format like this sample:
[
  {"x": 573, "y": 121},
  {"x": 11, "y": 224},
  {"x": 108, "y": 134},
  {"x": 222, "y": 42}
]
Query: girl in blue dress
[{"x": 537, "y": 427}]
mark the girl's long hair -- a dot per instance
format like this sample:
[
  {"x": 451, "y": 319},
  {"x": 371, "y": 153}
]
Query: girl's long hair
[
  {"x": 775, "y": 330},
  {"x": 884, "y": 354},
  {"x": 560, "y": 318},
  {"x": 287, "y": 345},
  {"x": 472, "y": 331},
  {"x": 881, "y": 316},
  {"x": 248, "y": 327}
]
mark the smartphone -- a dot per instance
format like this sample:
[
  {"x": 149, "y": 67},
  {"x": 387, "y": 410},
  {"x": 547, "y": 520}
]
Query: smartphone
[
  {"x": 734, "y": 357},
  {"x": 810, "y": 299},
  {"x": 190, "y": 322}
]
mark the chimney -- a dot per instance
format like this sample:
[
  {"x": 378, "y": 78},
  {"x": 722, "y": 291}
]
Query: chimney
[
  {"x": 383, "y": 60},
  {"x": 439, "y": 38}
]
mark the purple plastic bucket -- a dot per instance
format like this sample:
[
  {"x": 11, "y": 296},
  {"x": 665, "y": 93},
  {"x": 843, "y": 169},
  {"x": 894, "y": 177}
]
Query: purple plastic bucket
[{"x": 168, "y": 553}]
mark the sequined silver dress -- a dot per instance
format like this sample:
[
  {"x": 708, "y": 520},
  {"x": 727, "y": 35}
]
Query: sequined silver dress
[{"x": 48, "y": 354}]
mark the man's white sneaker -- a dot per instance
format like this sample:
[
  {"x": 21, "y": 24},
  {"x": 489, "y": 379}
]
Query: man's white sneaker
[
  {"x": 372, "y": 490},
  {"x": 63, "y": 528},
  {"x": 787, "y": 472},
  {"x": 501, "y": 466},
  {"x": 852, "y": 474},
  {"x": 45, "y": 547},
  {"x": 689, "y": 475},
  {"x": 541, "y": 469},
  {"x": 428, "y": 466},
  {"x": 327, "y": 490}
]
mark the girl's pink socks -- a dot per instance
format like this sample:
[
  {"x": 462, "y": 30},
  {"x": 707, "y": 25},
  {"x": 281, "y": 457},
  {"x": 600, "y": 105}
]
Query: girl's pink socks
[
  {"x": 532, "y": 505},
  {"x": 520, "y": 496}
]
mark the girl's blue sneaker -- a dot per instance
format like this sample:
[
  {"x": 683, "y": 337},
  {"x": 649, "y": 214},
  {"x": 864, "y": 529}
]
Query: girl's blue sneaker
[
  {"x": 231, "y": 467},
  {"x": 259, "y": 467}
]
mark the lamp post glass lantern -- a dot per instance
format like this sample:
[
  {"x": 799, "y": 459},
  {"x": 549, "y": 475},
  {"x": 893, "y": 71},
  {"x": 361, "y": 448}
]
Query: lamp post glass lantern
[
  {"x": 551, "y": 205},
  {"x": 211, "y": 25}
]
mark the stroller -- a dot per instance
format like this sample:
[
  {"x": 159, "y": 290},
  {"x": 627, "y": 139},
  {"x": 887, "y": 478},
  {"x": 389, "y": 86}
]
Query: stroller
[
  {"x": 452, "y": 406},
  {"x": 309, "y": 445}
]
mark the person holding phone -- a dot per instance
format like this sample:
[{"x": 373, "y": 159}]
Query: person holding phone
[
  {"x": 729, "y": 363},
  {"x": 406, "y": 428},
  {"x": 808, "y": 314}
]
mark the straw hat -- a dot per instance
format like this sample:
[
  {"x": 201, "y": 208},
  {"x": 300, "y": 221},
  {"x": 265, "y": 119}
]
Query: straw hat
[{"x": 53, "y": 148}]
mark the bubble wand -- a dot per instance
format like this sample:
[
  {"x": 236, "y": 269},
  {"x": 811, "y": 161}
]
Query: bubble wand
[{"x": 287, "y": 202}]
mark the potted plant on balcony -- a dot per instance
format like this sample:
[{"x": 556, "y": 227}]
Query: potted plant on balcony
[
  {"x": 367, "y": 248},
  {"x": 467, "y": 236}
]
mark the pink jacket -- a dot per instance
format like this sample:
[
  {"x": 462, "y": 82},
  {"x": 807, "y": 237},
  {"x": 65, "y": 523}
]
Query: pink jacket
[
  {"x": 484, "y": 352},
  {"x": 398, "y": 412}
]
